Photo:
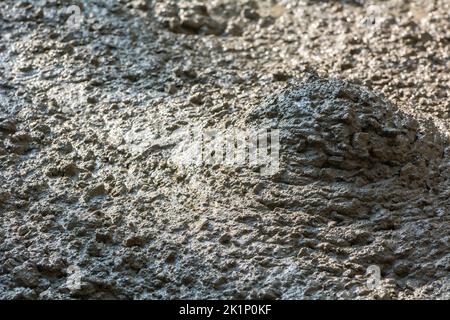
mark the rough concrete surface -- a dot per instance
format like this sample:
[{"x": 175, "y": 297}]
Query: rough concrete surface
[{"x": 93, "y": 94}]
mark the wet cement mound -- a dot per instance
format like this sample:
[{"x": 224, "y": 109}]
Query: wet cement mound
[{"x": 345, "y": 150}]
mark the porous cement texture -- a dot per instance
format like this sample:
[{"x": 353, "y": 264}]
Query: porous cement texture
[{"x": 93, "y": 205}]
